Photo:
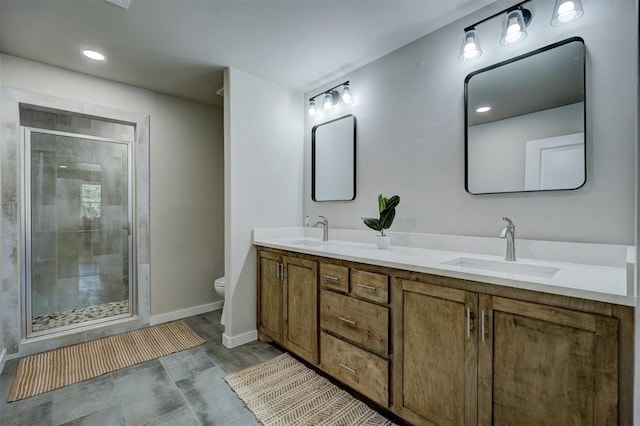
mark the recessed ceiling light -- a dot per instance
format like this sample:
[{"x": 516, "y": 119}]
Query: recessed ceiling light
[
  {"x": 92, "y": 54},
  {"x": 485, "y": 108}
]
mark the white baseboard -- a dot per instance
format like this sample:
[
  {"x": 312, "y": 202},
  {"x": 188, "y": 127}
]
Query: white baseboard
[
  {"x": 234, "y": 341},
  {"x": 183, "y": 313},
  {"x": 3, "y": 359}
]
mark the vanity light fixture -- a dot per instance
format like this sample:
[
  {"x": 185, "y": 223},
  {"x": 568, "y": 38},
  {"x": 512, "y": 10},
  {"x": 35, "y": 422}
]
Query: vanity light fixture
[
  {"x": 312, "y": 108},
  {"x": 92, "y": 54},
  {"x": 346, "y": 94},
  {"x": 515, "y": 26},
  {"x": 516, "y": 21},
  {"x": 470, "y": 45},
  {"x": 331, "y": 98},
  {"x": 566, "y": 11}
]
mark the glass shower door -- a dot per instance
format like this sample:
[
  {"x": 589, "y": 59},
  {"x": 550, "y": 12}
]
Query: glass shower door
[{"x": 78, "y": 245}]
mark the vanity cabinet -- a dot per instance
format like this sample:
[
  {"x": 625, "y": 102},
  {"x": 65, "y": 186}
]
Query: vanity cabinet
[
  {"x": 288, "y": 303},
  {"x": 543, "y": 365},
  {"x": 354, "y": 322},
  {"x": 270, "y": 296},
  {"x": 466, "y": 358},
  {"x": 441, "y": 350},
  {"x": 435, "y": 354}
]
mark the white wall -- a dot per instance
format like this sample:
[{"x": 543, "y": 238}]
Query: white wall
[
  {"x": 263, "y": 184},
  {"x": 186, "y": 177},
  {"x": 410, "y": 112}
]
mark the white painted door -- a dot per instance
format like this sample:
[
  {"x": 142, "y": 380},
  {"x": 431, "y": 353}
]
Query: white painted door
[{"x": 555, "y": 163}]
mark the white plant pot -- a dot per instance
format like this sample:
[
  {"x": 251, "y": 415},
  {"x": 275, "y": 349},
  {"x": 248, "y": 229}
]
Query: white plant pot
[{"x": 383, "y": 241}]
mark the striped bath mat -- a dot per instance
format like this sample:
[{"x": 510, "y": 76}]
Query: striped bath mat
[
  {"x": 65, "y": 366},
  {"x": 282, "y": 392}
]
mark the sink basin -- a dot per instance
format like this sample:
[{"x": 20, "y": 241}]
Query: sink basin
[
  {"x": 309, "y": 243},
  {"x": 499, "y": 266}
]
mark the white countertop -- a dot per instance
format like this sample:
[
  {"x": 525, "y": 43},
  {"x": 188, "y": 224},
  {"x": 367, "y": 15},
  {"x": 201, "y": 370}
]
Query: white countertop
[{"x": 604, "y": 283}]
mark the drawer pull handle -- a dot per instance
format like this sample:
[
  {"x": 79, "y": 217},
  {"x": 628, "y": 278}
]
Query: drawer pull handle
[
  {"x": 348, "y": 321},
  {"x": 349, "y": 369},
  {"x": 330, "y": 278},
  {"x": 367, "y": 287},
  {"x": 483, "y": 331}
]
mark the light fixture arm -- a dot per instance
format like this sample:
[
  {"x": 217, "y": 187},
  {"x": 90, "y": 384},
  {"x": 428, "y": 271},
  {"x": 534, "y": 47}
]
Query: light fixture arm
[
  {"x": 333, "y": 89},
  {"x": 525, "y": 13}
]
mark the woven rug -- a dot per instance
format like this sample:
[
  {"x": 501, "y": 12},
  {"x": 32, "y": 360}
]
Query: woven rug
[
  {"x": 282, "y": 391},
  {"x": 65, "y": 366}
]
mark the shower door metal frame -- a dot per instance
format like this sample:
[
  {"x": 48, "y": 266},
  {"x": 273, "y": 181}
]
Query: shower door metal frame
[{"x": 26, "y": 232}]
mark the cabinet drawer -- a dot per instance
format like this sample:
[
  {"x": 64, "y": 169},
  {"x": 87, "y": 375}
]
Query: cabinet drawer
[
  {"x": 355, "y": 367},
  {"x": 334, "y": 277},
  {"x": 361, "y": 322},
  {"x": 370, "y": 286}
]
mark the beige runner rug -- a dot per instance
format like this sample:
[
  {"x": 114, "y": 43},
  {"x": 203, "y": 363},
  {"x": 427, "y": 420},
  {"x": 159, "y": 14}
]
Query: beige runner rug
[
  {"x": 65, "y": 366},
  {"x": 282, "y": 391}
]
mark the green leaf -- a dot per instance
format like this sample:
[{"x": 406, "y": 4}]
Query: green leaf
[
  {"x": 386, "y": 218},
  {"x": 382, "y": 202},
  {"x": 389, "y": 213},
  {"x": 373, "y": 223},
  {"x": 393, "y": 202}
]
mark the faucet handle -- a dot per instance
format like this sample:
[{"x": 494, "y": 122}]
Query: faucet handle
[
  {"x": 509, "y": 222},
  {"x": 325, "y": 219}
]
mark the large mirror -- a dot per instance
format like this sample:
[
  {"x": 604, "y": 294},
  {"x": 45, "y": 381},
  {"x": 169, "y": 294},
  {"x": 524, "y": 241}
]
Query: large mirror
[
  {"x": 333, "y": 160},
  {"x": 525, "y": 122}
]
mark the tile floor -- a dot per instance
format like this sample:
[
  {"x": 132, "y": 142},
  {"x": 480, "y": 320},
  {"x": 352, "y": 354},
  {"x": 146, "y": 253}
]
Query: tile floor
[{"x": 185, "y": 388}]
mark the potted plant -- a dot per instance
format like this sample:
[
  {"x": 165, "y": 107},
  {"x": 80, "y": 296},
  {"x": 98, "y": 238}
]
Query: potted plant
[{"x": 387, "y": 209}]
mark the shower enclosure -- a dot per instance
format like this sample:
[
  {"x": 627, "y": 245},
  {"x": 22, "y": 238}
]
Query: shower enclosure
[{"x": 77, "y": 240}]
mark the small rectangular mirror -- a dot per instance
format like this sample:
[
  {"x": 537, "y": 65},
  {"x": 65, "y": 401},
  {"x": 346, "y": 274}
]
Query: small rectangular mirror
[
  {"x": 525, "y": 122},
  {"x": 333, "y": 160}
]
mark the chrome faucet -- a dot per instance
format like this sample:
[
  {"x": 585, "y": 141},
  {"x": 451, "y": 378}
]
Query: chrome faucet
[
  {"x": 509, "y": 232},
  {"x": 325, "y": 228}
]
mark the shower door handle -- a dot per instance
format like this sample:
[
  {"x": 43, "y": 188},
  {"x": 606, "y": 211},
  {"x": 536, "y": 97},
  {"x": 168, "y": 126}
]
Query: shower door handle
[{"x": 127, "y": 227}]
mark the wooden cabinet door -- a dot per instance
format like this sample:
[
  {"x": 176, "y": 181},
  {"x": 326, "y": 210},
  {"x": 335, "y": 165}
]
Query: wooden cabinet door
[
  {"x": 301, "y": 308},
  {"x": 540, "y": 365},
  {"x": 435, "y": 354},
  {"x": 270, "y": 294}
]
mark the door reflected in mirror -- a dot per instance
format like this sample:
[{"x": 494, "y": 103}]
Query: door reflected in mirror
[
  {"x": 333, "y": 160},
  {"x": 525, "y": 122}
]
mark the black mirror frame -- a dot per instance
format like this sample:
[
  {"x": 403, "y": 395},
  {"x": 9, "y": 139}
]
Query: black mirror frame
[{"x": 313, "y": 158}]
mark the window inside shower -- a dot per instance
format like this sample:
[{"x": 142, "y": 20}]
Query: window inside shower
[{"x": 78, "y": 205}]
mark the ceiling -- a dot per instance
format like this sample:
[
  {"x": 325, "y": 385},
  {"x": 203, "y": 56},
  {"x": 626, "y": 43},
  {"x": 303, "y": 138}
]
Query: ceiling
[{"x": 180, "y": 47}]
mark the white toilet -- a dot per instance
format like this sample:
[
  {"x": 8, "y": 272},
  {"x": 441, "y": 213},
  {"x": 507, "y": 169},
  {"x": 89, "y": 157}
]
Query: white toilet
[{"x": 219, "y": 286}]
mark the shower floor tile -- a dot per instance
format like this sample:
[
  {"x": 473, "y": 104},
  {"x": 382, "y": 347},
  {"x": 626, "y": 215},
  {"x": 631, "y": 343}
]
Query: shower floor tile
[{"x": 76, "y": 316}]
